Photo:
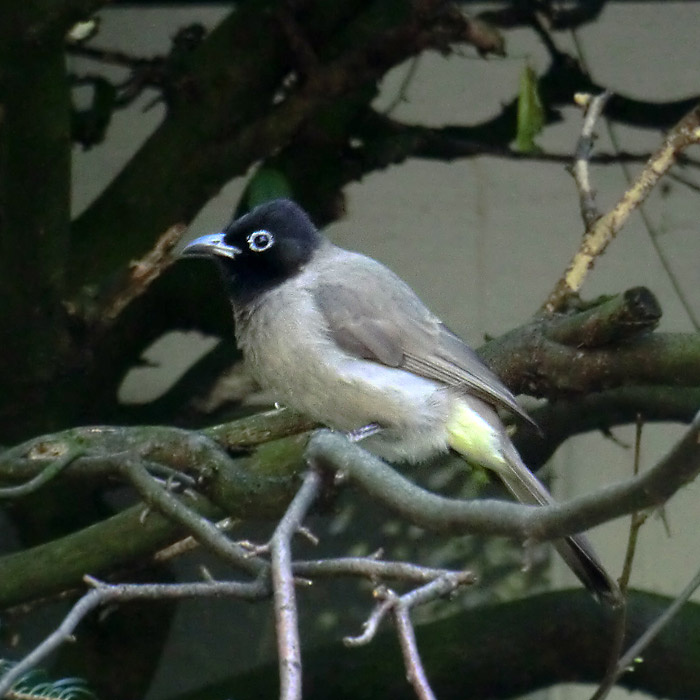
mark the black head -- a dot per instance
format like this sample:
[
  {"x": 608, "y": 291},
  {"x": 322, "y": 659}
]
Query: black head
[{"x": 260, "y": 250}]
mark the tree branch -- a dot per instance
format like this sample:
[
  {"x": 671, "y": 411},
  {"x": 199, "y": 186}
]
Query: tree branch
[
  {"x": 584, "y": 148},
  {"x": 252, "y": 60},
  {"x": 104, "y": 593},
  {"x": 264, "y": 480},
  {"x": 527, "y": 523},
  {"x": 286, "y": 615},
  {"x": 203, "y": 530},
  {"x": 597, "y": 239}
]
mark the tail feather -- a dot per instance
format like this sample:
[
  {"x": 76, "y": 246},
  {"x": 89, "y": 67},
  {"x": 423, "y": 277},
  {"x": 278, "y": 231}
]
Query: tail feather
[
  {"x": 575, "y": 550},
  {"x": 476, "y": 432}
]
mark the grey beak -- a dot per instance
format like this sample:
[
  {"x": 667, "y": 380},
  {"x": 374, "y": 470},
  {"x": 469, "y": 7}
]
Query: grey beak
[{"x": 210, "y": 246}]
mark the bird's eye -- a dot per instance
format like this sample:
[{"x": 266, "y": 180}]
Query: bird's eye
[{"x": 260, "y": 240}]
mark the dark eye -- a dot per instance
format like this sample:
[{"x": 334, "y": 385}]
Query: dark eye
[{"x": 260, "y": 240}]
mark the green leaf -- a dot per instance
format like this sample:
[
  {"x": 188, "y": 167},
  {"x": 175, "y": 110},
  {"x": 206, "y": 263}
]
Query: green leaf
[{"x": 530, "y": 112}]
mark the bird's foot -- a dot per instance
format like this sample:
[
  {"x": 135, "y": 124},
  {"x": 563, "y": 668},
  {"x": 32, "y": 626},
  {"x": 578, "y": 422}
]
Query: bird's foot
[{"x": 364, "y": 432}]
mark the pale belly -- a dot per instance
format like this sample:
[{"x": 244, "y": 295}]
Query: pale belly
[{"x": 325, "y": 383}]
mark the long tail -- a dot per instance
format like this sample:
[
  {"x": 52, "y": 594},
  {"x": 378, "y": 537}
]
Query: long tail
[
  {"x": 575, "y": 550},
  {"x": 476, "y": 432}
]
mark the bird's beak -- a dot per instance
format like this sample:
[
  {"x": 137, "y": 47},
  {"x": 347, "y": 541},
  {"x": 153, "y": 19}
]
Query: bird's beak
[{"x": 210, "y": 246}]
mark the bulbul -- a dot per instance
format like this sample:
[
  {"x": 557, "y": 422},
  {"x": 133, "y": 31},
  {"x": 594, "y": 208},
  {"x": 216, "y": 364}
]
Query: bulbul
[{"x": 338, "y": 336}]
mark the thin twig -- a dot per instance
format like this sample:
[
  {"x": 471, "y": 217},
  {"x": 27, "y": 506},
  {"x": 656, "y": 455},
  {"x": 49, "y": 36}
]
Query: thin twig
[
  {"x": 108, "y": 56},
  {"x": 440, "y": 587},
  {"x": 437, "y": 586},
  {"x": 633, "y": 653},
  {"x": 104, "y": 593},
  {"x": 584, "y": 148},
  {"x": 653, "y": 233},
  {"x": 684, "y": 134},
  {"x": 371, "y": 624},
  {"x": 646, "y": 219},
  {"x": 190, "y": 543},
  {"x": 44, "y": 476},
  {"x": 638, "y": 519},
  {"x": 374, "y": 570},
  {"x": 286, "y": 618},
  {"x": 205, "y": 531},
  {"x": 142, "y": 273},
  {"x": 620, "y": 620},
  {"x": 415, "y": 672},
  {"x": 406, "y": 81}
]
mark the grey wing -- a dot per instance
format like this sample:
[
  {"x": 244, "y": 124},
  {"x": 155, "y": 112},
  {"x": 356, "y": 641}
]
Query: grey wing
[
  {"x": 453, "y": 362},
  {"x": 373, "y": 314}
]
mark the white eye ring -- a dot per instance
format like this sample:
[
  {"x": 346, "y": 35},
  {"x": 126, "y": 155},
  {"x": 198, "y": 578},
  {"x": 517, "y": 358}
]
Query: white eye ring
[{"x": 260, "y": 240}]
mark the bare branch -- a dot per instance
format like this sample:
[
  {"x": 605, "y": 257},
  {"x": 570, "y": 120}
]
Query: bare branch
[
  {"x": 190, "y": 543},
  {"x": 637, "y": 520},
  {"x": 684, "y": 134},
  {"x": 527, "y": 523},
  {"x": 371, "y": 624},
  {"x": 225, "y": 479},
  {"x": 626, "y": 663},
  {"x": 618, "y": 634},
  {"x": 288, "y": 643},
  {"x": 368, "y": 567},
  {"x": 52, "y": 470},
  {"x": 141, "y": 274},
  {"x": 205, "y": 531},
  {"x": 400, "y": 607},
  {"x": 594, "y": 108},
  {"x": 646, "y": 219},
  {"x": 409, "y": 649},
  {"x": 401, "y": 93},
  {"x": 104, "y": 593}
]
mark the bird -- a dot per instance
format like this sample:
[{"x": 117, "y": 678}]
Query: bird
[{"x": 339, "y": 337}]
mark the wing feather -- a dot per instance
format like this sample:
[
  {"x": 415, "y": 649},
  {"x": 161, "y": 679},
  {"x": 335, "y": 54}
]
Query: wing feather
[{"x": 373, "y": 314}]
